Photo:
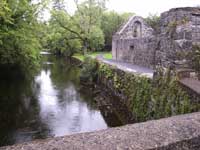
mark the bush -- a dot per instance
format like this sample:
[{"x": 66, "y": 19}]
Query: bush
[
  {"x": 162, "y": 97},
  {"x": 89, "y": 70},
  {"x": 195, "y": 59},
  {"x": 153, "y": 21}
]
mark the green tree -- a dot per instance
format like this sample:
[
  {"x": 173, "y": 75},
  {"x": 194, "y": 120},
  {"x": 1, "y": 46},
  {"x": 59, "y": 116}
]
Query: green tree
[
  {"x": 153, "y": 21},
  {"x": 61, "y": 41},
  {"x": 19, "y": 43},
  {"x": 83, "y": 23},
  {"x": 111, "y": 21},
  {"x": 91, "y": 26},
  {"x": 195, "y": 59},
  {"x": 5, "y": 12}
]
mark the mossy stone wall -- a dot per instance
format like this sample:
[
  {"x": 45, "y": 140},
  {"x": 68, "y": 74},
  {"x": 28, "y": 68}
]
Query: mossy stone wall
[{"x": 148, "y": 99}]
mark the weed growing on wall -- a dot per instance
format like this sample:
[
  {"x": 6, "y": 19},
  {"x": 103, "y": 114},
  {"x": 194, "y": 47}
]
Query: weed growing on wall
[
  {"x": 195, "y": 59},
  {"x": 148, "y": 99},
  {"x": 89, "y": 70}
]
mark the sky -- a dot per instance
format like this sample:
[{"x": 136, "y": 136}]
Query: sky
[
  {"x": 145, "y": 7},
  {"x": 139, "y": 7}
]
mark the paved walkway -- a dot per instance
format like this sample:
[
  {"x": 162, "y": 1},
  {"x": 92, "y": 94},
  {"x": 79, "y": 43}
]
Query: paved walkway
[
  {"x": 128, "y": 67},
  {"x": 192, "y": 84}
]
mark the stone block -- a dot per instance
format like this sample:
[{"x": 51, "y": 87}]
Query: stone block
[{"x": 179, "y": 30}]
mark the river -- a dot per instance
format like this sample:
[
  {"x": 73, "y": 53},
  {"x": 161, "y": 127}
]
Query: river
[{"x": 50, "y": 105}]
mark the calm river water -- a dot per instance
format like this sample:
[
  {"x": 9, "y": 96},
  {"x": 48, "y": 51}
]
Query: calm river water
[{"x": 50, "y": 105}]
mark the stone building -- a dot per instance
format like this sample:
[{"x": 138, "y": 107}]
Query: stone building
[{"x": 138, "y": 43}]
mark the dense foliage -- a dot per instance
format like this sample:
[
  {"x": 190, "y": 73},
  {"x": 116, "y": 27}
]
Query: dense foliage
[
  {"x": 23, "y": 34},
  {"x": 111, "y": 21},
  {"x": 19, "y": 43},
  {"x": 89, "y": 70},
  {"x": 148, "y": 100},
  {"x": 60, "y": 41},
  {"x": 153, "y": 21},
  {"x": 195, "y": 59},
  {"x": 90, "y": 28}
]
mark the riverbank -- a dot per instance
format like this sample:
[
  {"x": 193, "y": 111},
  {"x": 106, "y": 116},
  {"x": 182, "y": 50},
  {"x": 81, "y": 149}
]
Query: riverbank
[
  {"x": 148, "y": 94},
  {"x": 174, "y": 133},
  {"x": 81, "y": 57},
  {"x": 50, "y": 104}
]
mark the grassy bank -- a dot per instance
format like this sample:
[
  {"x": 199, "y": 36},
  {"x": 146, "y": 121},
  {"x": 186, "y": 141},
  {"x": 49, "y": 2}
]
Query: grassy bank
[{"x": 81, "y": 57}]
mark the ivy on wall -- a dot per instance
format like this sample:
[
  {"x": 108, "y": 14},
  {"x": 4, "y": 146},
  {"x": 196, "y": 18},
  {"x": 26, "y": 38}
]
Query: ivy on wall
[{"x": 148, "y": 99}]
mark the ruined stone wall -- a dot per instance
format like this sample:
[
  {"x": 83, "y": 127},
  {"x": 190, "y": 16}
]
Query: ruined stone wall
[
  {"x": 135, "y": 43},
  {"x": 136, "y": 27},
  {"x": 140, "y": 51},
  {"x": 147, "y": 98},
  {"x": 179, "y": 31}
]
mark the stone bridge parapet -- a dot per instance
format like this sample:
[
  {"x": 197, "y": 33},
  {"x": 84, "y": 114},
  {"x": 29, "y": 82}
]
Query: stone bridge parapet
[{"x": 174, "y": 133}]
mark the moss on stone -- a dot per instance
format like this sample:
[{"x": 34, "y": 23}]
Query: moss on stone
[{"x": 148, "y": 99}]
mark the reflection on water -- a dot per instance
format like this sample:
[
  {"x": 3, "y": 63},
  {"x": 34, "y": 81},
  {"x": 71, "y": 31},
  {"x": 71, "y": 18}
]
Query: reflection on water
[
  {"x": 45, "y": 53},
  {"x": 50, "y": 105},
  {"x": 69, "y": 114}
]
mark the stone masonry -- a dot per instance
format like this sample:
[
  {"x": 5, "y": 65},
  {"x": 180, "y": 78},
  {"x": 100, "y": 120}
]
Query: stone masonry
[
  {"x": 140, "y": 44},
  {"x": 175, "y": 133},
  {"x": 135, "y": 43}
]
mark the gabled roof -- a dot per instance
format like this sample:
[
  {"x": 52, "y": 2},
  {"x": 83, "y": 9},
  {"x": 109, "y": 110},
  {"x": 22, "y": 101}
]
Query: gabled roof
[
  {"x": 131, "y": 19},
  {"x": 123, "y": 30}
]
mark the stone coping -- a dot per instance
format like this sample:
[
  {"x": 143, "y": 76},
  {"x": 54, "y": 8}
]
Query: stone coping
[
  {"x": 128, "y": 67},
  {"x": 174, "y": 133},
  {"x": 192, "y": 84}
]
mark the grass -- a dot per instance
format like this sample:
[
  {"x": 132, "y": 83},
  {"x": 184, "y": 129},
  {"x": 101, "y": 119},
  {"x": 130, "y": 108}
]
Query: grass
[
  {"x": 107, "y": 55},
  {"x": 79, "y": 56}
]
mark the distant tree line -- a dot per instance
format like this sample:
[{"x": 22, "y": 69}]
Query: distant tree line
[
  {"x": 90, "y": 28},
  {"x": 23, "y": 35}
]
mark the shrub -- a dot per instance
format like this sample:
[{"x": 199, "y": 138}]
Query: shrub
[
  {"x": 89, "y": 70},
  {"x": 162, "y": 97},
  {"x": 195, "y": 59},
  {"x": 153, "y": 21}
]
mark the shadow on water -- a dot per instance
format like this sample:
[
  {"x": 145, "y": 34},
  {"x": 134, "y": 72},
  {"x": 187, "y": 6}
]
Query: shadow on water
[
  {"x": 47, "y": 105},
  {"x": 16, "y": 97}
]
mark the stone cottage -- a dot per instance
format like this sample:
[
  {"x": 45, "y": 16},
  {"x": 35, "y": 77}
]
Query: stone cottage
[{"x": 138, "y": 43}]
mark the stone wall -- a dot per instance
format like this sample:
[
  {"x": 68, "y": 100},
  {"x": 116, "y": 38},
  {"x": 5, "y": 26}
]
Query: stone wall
[
  {"x": 136, "y": 27},
  {"x": 135, "y": 43},
  {"x": 191, "y": 85},
  {"x": 147, "y": 98},
  {"x": 139, "y": 51},
  {"x": 179, "y": 30},
  {"x": 175, "y": 133}
]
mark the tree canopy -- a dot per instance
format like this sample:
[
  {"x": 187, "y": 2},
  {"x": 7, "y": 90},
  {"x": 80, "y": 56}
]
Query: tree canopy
[
  {"x": 19, "y": 41},
  {"x": 90, "y": 28},
  {"x": 23, "y": 34}
]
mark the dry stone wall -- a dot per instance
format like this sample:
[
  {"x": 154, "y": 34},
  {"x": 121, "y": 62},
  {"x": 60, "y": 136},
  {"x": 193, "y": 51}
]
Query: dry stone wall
[
  {"x": 135, "y": 43},
  {"x": 179, "y": 31},
  {"x": 137, "y": 51},
  {"x": 138, "y": 43}
]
